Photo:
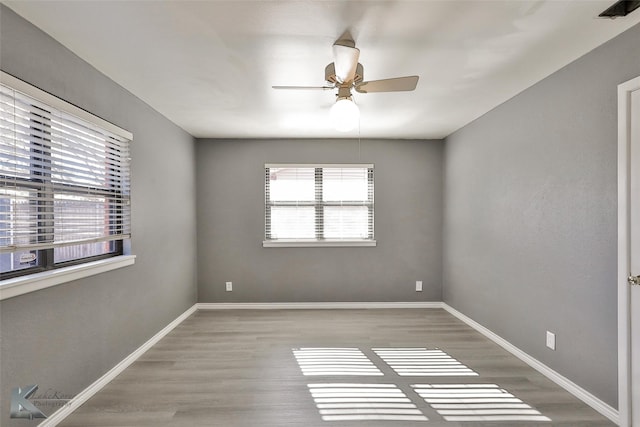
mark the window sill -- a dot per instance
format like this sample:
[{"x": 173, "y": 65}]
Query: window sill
[
  {"x": 315, "y": 244},
  {"x": 34, "y": 282}
]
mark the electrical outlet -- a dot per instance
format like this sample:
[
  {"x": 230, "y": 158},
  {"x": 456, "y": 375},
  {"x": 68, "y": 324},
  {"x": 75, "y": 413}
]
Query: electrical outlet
[
  {"x": 551, "y": 340},
  {"x": 229, "y": 286},
  {"x": 418, "y": 285}
]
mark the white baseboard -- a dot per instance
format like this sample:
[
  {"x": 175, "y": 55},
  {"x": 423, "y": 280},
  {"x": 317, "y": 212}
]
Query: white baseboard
[
  {"x": 582, "y": 394},
  {"x": 314, "y": 305},
  {"x": 88, "y": 392}
]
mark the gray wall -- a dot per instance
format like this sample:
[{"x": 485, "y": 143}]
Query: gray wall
[
  {"x": 529, "y": 225},
  {"x": 408, "y": 224},
  {"x": 530, "y": 217},
  {"x": 63, "y": 338}
]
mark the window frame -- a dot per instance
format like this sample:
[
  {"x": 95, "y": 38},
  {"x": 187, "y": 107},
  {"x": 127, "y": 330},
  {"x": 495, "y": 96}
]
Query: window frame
[
  {"x": 46, "y": 272},
  {"x": 319, "y": 204}
]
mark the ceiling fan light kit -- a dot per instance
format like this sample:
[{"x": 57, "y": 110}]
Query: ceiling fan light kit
[
  {"x": 345, "y": 115},
  {"x": 346, "y": 73}
]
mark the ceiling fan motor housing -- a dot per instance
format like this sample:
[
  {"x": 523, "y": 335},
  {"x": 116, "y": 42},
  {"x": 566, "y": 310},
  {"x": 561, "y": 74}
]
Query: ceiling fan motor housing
[{"x": 330, "y": 74}]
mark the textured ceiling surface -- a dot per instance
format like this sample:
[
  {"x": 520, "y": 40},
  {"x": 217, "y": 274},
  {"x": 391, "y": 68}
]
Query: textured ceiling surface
[{"x": 209, "y": 66}]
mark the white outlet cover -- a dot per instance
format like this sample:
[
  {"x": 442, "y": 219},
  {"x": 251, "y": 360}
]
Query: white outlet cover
[
  {"x": 551, "y": 340},
  {"x": 418, "y": 285},
  {"x": 229, "y": 286}
]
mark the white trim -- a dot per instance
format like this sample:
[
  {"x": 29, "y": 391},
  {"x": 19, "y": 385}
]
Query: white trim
[
  {"x": 582, "y": 394},
  {"x": 60, "y": 104},
  {"x": 624, "y": 327},
  {"x": 88, "y": 392},
  {"x": 10, "y": 288},
  {"x": 315, "y": 305},
  {"x": 290, "y": 243},
  {"x": 319, "y": 165}
]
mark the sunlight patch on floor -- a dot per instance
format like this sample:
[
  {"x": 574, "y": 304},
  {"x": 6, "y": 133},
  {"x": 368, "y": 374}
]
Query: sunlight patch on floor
[
  {"x": 422, "y": 362},
  {"x": 476, "y": 402},
  {"x": 343, "y": 401},
  {"x": 335, "y": 361},
  {"x": 363, "y": 402}
]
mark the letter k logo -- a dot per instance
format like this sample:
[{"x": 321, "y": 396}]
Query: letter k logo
[{"x": 21, "y": 407}]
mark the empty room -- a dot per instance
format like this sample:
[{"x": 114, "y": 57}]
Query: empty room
[{"x": 329, "y": 213}]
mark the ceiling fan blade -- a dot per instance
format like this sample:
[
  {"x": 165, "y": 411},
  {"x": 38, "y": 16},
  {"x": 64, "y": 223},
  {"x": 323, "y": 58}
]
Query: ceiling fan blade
[
  {"x": 398, "y": 84},
  {"x": 304, "y": 87},
  {"x": 345, "y": 59}
]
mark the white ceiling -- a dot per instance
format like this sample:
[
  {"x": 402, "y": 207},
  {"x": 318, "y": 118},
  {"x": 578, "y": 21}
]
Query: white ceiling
[{"x": 209, "y": 65}]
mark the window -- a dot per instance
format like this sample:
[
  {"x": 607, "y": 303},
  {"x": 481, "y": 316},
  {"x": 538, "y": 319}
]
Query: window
[
  {"x": 64, "y": 183},
  {"x": 309, "y": 205}
]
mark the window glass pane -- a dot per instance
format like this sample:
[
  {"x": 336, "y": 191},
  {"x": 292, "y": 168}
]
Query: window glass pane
[
  {"x": 78, "y": 157},
  {"x": 70, "y": 253},
  {"x": 18, "y": 217},
  {"x": 323, "y": 202},
  {"x": 346, "y": 222},
  {"x": 15, "y": 128},
  {"x": 18, "y": 222},
  {"x": 291, "y": 184},
  {"x": 344, "y": 184},
  {"x": 79, "y": 217},
  {"x": 292, "y": 222},
  {"x": 18, "y": 261}
]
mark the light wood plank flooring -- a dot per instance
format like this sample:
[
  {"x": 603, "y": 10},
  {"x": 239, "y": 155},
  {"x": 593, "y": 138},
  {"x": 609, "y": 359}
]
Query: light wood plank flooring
[{"x": 238, "y": 368}]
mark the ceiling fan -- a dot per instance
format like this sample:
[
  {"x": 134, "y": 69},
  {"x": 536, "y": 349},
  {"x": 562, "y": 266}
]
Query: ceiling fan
[{"x": 346, "y": 73}]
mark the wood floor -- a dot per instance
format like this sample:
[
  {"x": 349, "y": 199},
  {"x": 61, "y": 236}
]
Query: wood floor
[{"x": 245, "y": 368}]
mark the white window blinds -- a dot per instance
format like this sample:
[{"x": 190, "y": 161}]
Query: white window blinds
[
  {"x": 64, "y": 180},
  {"x": 319, "y": 203}
]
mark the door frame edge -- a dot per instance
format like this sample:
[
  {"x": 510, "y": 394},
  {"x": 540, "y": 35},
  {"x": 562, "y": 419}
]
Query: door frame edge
[{"x": 624, "y": 319}]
